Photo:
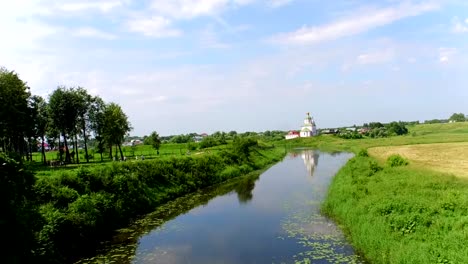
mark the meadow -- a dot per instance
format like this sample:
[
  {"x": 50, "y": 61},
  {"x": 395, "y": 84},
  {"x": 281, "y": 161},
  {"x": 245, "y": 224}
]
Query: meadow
[{"x": 403, "y": 199}]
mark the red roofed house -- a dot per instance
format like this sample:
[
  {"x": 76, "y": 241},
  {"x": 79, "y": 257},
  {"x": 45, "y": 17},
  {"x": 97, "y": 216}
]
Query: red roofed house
[{"x": 292, "y": 134}]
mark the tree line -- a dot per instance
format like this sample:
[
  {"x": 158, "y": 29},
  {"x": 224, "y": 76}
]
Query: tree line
[{"x": 68, "y": 114}]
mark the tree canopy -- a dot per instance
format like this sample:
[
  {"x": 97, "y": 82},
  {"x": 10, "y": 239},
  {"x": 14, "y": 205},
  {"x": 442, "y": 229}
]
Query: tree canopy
[{"x": 457, "y": 117}]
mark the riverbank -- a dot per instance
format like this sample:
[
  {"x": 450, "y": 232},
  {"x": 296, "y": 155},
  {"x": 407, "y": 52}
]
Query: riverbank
[
  {"x": 405, "y": 214},
  {"x": 80, "y": 208},
  {"x": 400, "y": 214}
]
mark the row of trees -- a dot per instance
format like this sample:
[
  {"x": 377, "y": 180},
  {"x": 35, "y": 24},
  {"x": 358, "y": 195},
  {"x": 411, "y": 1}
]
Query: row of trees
[{"x": 69, "y": 114}]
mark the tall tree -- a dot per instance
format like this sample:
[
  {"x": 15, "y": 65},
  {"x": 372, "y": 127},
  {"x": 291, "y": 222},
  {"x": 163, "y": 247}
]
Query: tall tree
[
  {"x": 14, "y": 113},
  {"x": 40, "y": 121},
  {"x": 116, "y": 126},
  {"x": 64, "y": 114},
  {"x": 84, "y": 102},
  {"x": 97, "y": 122},
  {"x": 155, "y": 141}
]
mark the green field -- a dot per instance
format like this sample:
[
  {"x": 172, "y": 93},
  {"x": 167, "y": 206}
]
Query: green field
[
  {"x": 418, "y": 134},
  {"x": 407, "y": 214},
  {"x": 133, "y": 154}
]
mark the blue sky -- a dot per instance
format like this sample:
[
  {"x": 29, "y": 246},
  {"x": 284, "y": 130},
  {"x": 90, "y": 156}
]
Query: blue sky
[{"x": 180, "y": 66}]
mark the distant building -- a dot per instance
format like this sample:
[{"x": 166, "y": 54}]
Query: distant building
[
  {"x": 292, "y": 134},
  {"x": 308, "y": 129}
]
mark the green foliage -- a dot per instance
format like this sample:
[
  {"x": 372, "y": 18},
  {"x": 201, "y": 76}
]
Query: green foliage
[
  {"x": 457, "y": 117},
  {"x": 396, "y": 160},
  {"x": 379, "y": 132},
  {"x": 18, "y": 214},
  {"x": 154, "y": 140},
  {"x": 209, "y": 141},
  {"x": 350, "y": 135},
  {"x": 363, "y": 153},
  {"x": 181, "y": 139},
  {"x": 15, "y": 113},
  {"x": 397, "y": 128}
]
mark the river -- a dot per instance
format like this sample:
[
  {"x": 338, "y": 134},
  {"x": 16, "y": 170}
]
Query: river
[{"x": 269, "y": 218}]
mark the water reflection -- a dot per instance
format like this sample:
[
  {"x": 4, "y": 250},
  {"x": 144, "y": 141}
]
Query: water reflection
[
  {"x": 309, "y": 156},
  {"x": 244, "y": 190},
  {"x": 274, "y": 218}
]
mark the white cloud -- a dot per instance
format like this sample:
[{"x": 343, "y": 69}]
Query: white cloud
[
  {"x": 155, "y": 26},
  {"x": 187, "y": 9},
  {"x": 78, "y": 6},
  {"x": 89, "y": 32},
  {"x": 445, "y": 54},
  {"x": 353, "y": 25},
  {"x": 459, "y": 26},
  {"x": 279, "y": 3},
  {"x": 375, "y": 57}
]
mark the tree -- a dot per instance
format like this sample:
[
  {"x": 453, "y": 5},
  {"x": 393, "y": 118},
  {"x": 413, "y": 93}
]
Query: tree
[
  {"x": 40, "y": 121},
  {"x": 84, "y": 103},
  {"x": 14, "y": 112},
  {"x": 116, "y": 126},
  {"x": 155, "y": 141},
  {"x": 457, "y": 117},
  {"x": 397, "y": 128},
  {"x": 373, "y": 125},
  {"x": 64, "y": 113},
  {"x": 97, "y": 123}
]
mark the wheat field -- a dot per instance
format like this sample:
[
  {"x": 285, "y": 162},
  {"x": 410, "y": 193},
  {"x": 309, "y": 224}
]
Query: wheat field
[{"x": 449, "y": 158}]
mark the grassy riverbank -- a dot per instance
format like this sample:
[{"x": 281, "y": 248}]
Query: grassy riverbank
[
  {"x": 406, "y": 214},
  {"x": 402, "y": 214},
  {"x": 79, "y": 208}
]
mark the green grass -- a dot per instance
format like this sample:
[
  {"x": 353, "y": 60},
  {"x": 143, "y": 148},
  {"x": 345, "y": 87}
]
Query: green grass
[
  {"x": 405, "y": 214},
  {"x": 418, "y": 134},
  {"x": 167, "y": 151},
  {"x": 401, "y": 215}
]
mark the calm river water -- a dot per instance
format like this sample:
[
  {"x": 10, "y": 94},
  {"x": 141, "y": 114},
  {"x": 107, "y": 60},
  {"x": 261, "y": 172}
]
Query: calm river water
[{"x": 269, "y": 218}]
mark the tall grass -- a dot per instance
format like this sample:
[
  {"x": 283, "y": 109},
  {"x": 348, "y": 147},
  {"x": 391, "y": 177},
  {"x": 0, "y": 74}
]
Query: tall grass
[{"x": 400, "y": 214}]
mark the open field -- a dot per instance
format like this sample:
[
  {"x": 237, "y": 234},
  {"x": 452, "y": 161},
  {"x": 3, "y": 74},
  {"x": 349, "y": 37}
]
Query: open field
[
  {"x": 418, "y": 134},
  {"x": 443, "y": 157},
  {"x": 409, "y": 214}
]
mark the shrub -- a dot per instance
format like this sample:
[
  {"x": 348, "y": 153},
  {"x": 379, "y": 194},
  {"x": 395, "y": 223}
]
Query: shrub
[
  {"x": 363, "y": 153},
  {"x": 396, "y": 160},
  {"x": 17, "y": 211}
]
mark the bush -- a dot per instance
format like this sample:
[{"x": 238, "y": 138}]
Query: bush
[
  {"x": 18, "y": 213},
  {"x": 396, "y": 160},
  {"x": 363, "y": 153}
]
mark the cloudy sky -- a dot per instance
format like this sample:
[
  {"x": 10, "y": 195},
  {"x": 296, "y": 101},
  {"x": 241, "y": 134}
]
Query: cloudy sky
[{"x": 180, "y": 66}]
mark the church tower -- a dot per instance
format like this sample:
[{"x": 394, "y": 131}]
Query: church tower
[{"x": 308, "y": 129}]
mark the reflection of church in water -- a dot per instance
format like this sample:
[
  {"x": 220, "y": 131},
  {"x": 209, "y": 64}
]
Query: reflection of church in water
[{"x": 310, "y": 160}]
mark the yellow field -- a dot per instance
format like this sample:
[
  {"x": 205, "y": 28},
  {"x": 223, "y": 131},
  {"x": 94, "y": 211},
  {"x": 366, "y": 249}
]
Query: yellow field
[{"x": 444, "y": 157}]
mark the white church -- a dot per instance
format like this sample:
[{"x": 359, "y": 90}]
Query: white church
[{"x": 308, "y": 129}]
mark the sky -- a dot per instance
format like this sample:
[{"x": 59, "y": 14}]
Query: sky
[{"x": 181, "y": 66}]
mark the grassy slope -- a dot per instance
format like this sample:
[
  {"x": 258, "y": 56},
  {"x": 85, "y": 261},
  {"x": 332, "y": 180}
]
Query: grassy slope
[{"x": 399, "y": 215}]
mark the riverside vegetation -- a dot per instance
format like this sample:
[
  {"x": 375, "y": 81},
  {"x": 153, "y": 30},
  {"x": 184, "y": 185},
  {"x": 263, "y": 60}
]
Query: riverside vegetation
[
  {"x": 73, "y": 210},
  {"x": 393, "y": 207}
]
